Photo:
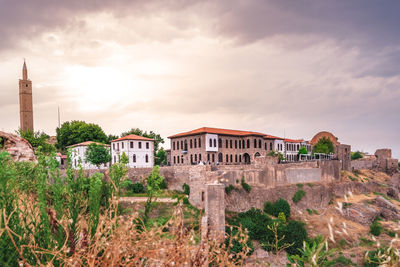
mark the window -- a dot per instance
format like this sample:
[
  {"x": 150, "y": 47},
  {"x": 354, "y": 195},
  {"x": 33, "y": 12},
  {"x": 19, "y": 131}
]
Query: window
[
  {"x": 215, "y": 142},
  {"x": 131, "y": 144},
  {"x": 182, "y": 159},
  {"x": 200, "y": 157},
  {"x": 259, "y": 143},
  {"x": 255, "y": 143},
  {"x": 191, "y": 143},
  {"x": 243, "y": 144},
  {"x": 114, "y": 146},
  {"x": 177, "y": 145},
  {"x": 182, "y": 145},
  {"x": 231, "y": 157},
  {"x": 227, "y": 158},
  {"x": 147, "y": 145},
  {"x": 213, "y": 157},
  {"x": 186, "y": 145},
  {"x": 208, "y": 157},
  {"x": 230, "y": 143},
  {"x": 195, "y": 143},
  {"x": 115, "y": 160},
  {"x": 134, "y": 158},
  {"x": 240, "y": 158},
  {"x": 210, "y": 142},
  {"x": 240, "y": 144},
  {"x": 75, "y": 161},
  {"x": 178, "y": 159},
  {"x": 174, "y": 160},
  {"x": 195, "y": 157},
  {"x": 220, "y": 143},
  {"x": 236, "y": 144},
  {"x": 191, "y": 157},
  {"x": 298, "y": 147},
  {"x": 265, "y": 146},
  {"x": 270, "y": 146},
  {"x": 248, "y": 143},
  {"x": 199, "y": 142},
  {"x": 117, "y": 146},
  {"x": 235, "y": 158},
  {"x": 140, "y": 145},
  {"x": 226, "y": 143},
  {"x": 122, "y": 144},
  {"x": 173, "y": 146}
]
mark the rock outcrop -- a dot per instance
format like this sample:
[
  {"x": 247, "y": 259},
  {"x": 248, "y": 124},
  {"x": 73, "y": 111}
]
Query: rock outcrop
[
  {"x": 18, "y": 147},
  {"x": 387, "y": 209},
  {"x": 361, "y": 213}
]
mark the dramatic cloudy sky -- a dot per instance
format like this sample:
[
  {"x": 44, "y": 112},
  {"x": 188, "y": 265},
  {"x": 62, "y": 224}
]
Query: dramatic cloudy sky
[{"x": 293, "y": 67}]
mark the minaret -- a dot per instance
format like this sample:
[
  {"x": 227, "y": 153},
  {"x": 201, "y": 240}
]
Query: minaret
[{"x": 25, "y": 101}]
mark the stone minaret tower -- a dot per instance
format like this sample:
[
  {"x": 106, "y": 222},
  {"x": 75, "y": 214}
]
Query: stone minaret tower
[{"x": 25, "y": 101}]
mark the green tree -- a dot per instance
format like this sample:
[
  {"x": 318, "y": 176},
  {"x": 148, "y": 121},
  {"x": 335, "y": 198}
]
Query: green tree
[
  {"x": 152, "y": 135},
  {"x": 324, "y": 145},
  {"x": 303, "y": 150},
  {"x": 37, "y": 139},
  {"x": 160, "y": 157},
  {"x": 153, "y": 189},
  {"x": 356, "y": 155},
  {"x": 97, "y": 154},
  {"x": 75, "y": 132}
]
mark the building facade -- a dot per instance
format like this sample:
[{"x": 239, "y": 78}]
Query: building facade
[
  {"x": 25, "y": 101},
  {"x": 292, "y": 148},
  {"x": 78, "y": 156},
  {"x": 221, "y": 146},
  {"x": 138, "y": 149}
]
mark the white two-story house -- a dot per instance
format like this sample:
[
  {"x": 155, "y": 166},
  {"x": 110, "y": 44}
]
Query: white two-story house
[
  {"x": 138, "y": 149},
  {"x": 78, "y": 156}
]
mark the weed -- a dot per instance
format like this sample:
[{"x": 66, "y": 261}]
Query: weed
[{"x": 298, "y": 196}]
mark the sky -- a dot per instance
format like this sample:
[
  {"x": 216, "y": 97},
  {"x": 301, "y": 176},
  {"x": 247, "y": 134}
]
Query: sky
[{"x": 285, "y": 68}]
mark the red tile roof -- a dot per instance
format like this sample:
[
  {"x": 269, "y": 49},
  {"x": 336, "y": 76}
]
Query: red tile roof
[
  {"x": 272, "y": 137},
  {"x": 294, "y": 140},
  {"x": 133, "y": 137},
  {"x": 222, "y": 132},
  {"x": 86, "y": 144}
]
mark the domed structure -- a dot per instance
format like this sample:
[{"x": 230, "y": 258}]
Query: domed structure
[{"x": 325, "y": 134}]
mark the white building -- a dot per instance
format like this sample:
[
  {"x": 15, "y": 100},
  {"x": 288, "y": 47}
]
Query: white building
[
  {"x": 78, "y": 156},
  {"x": 138, "y": 149},
  {"x": 292, "y": 148}
]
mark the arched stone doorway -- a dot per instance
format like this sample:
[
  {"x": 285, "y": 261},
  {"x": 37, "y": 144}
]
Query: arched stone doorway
[{"x": 246, "y": 158}]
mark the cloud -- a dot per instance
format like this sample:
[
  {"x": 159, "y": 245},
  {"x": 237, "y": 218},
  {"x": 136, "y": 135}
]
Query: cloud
[{"x": 169, "y": 66}]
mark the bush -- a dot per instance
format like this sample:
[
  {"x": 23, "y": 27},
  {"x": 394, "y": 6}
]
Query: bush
[
  {"x": 133, "y": 187},
  {"x": 278, "y": 206},
  {"x": 376, "y": 228},
  {"x": 298, "y": 196},
  {"x": 356, "y": 155},
  {"x": 255, "y": 221},
  {"x": 295, "y": 233},
  {"x": 282, "y": 217},
  {"x": 229, "y": 189},
  {"x": 245, "y": 185},
  {"x": 186, "y": 189},
  {"x": 163, "y": 184}
]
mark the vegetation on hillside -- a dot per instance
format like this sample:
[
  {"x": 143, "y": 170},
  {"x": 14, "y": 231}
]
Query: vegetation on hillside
[{"x": 37, "y": 139}]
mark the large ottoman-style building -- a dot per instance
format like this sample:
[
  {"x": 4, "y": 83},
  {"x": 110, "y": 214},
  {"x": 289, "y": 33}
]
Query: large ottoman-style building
[
  {"x": 222, "y": 146},
  {"x": 138, "y": 149}
]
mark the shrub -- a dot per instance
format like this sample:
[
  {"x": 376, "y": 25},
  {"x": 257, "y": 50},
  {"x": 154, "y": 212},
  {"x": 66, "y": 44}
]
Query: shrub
[
  {"x": 163, "y": 184},
  {"x": 255, "y": 221},
  {"x": 229, "y": 189},
  {"x": 295, "y": 233},
  {"x": 282, "y": 217},
  {"x": 356, "y": 155},
  {"x": 376, "y": 228},
  {"x": 186, "y": 189},
  {"x": 298, "y": 196},
  {"x": 137, "y": 188},
  {"x": 245, "y": 185},
  {"x": 278, "y": 206}
]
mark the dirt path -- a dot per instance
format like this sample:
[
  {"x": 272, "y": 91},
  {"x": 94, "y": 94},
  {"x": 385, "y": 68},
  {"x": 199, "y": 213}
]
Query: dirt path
[{"x": 144, "y": 199}]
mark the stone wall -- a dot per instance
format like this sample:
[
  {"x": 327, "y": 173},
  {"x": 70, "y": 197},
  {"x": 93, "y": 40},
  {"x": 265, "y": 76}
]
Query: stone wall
[
  {"x": 382, "y": 161},
  {"x": 259, "y": 175}
]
